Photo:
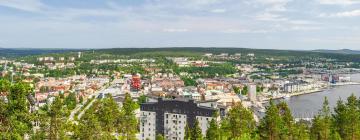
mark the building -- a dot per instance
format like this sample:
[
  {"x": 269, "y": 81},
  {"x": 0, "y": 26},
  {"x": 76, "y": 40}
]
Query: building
[
  {"x": 251, "y": 54},
  {"x": 79, "y": 54},
  {"x": 252, "y": 93},
  {"x": 170, "y": 117},
  {"x": 297, "y": 86},
  {"x": 136, "y": 82}
]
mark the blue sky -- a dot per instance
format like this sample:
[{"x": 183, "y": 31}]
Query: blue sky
[{"x": 270, "y": 24}]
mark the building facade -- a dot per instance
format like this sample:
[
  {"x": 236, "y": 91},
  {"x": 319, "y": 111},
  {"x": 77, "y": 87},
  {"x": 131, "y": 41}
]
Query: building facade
[{"x": 170, "y": 118}]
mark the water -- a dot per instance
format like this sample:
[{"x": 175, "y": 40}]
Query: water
[{"x": 306, "y": 106}]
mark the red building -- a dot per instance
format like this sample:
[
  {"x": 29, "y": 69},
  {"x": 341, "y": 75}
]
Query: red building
[{"x": 136, "y": 82}]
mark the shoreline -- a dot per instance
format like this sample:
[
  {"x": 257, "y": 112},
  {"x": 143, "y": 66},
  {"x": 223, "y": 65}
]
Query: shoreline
[{"x": 309, "y": 91}]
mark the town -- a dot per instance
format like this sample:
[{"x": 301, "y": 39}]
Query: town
[{"x": 170, "y": 93}]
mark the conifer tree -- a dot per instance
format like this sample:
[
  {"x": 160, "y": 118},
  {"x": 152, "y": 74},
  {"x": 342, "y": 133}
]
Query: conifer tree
[
  {"x": 108, "y": 114},
  {"x": 321, "y": 125},
  {"x": 212, "y": 133},
  {"x": 270, "y": 125},
  {"x": 57, "y": 121},
  {"x": 89, "y": 125},
  {"x": 127, "y": 119},
  {"x": 347, "y": 118},
  {"x": 241, "y": 121},
  {"x": 301, "y": 131},
  {"x": 187, "y": 135},
  {"x": 287, "y": 121},
  {"x": 196, "y": 133},
  {"x": 17, "y": 113}
]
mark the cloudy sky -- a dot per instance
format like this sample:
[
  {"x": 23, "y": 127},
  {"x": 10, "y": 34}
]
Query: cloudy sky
[{"x": 275, "y": 24}]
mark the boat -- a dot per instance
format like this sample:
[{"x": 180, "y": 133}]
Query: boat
[{"x": 287, "y": 96}]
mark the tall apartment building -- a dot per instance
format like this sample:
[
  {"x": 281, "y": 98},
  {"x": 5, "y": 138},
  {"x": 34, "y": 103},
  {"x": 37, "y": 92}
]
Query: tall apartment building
[
  {"x": 252, "y": 92},
  {"x": 170, "y": 117}
]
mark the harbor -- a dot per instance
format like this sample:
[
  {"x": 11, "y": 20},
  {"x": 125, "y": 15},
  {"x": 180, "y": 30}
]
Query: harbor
[{"x": 306, "y": 104}]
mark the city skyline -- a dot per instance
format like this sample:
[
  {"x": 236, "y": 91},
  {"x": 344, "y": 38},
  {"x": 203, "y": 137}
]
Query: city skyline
[{"x": 265, "y": 24}]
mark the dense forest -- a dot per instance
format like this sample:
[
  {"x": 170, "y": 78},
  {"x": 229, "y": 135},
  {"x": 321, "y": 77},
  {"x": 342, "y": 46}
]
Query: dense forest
[{"x": 12, "y": 53}]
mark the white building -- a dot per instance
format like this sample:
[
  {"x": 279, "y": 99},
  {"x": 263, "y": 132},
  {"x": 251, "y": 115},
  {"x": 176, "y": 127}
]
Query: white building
[
  {"x": 147, "y": 125},
  {"x": 252, "y": 92}
]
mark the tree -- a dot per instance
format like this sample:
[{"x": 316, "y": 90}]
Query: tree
[
  {"x": 18, "y": 119},
  {"x": 57, "y": 121},
  {"x": 212, "y": 133},
  {"x": 347, "y": 118},
  {"x": 70, "y": 101},
  {"x": 301, "y": 131},
  {"x": 89, "y": 125},
  {"x": 127, "y": 119},
  {"x": 188, "y": 81},
  {"x": 108, "y": 113},
  {"x": 236, "y": 89},
  {"x": 3, "y": 117},
  {"x": 241, "y": 121},
  {"x": 321, "y": 126},
  {"x": 159, "y": 137},
  {"x": 196, "y": 133},
  {"x": 81, "y": 99},
  {"x": 270, "y": 125},
  {"x": 142, "y": 99},
  {"x": 187, "y": 135},
  {"x": 287, "y": 130},
  {"x": 244, "y": 91},
  {"x": 4, "y": 87}
]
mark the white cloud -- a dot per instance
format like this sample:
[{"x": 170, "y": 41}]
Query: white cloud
[
  {"x": 175, "y": 30},
  {"x": 269, "y": 17},
  {"x": 24, "y": 5},
  {"x": 244, "y": 31},
  {"x": 339, "y": 2},
  {"x": 354, "y": 13},
  {"x": 302, "y": 22},
  {"x": 218, "y": 11},
  {"x": 274, "y": 5}
]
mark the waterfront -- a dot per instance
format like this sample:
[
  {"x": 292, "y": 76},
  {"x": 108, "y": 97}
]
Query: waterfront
[{"x": 307, "y": 105}]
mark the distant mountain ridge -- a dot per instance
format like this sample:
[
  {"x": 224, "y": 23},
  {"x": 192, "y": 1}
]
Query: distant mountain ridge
[{"x": 342, "y": 51}]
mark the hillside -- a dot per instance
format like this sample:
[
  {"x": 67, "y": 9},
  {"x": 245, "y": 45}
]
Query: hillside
[
  {"x": 342, "y": 51},
  {"x": 6, "y": 52}
]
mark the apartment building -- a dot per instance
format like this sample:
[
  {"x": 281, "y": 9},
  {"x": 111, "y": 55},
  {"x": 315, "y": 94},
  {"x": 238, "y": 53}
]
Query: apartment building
[{"x": 169, "y": 117}]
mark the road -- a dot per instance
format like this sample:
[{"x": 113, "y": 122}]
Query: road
[{"x": 79, "y": 106}]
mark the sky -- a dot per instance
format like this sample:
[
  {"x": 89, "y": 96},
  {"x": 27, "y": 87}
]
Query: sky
[{"x": 267, "y": 24}]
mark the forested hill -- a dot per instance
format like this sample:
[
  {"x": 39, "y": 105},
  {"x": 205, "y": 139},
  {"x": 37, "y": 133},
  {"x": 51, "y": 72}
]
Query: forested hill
[
  {"x": 7, "y": 52},
  {"x": 186, "y": 51},
  {"x": 196, "y": 51},
  {"x": 342, "y": 51}
]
